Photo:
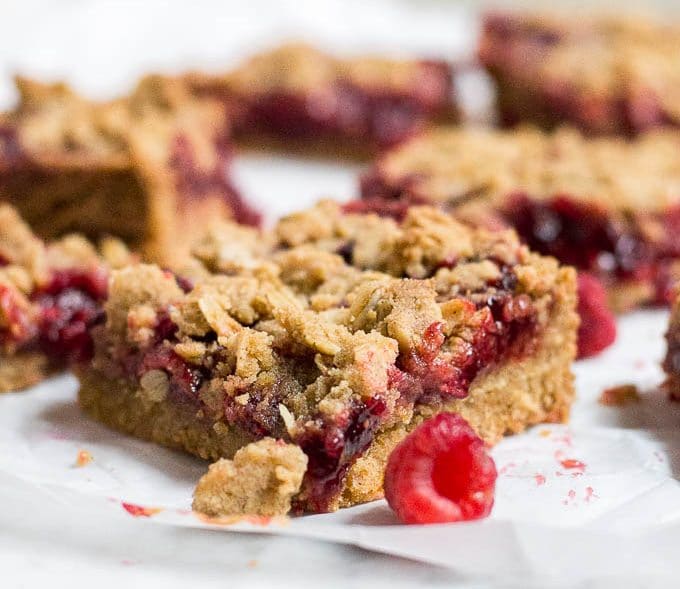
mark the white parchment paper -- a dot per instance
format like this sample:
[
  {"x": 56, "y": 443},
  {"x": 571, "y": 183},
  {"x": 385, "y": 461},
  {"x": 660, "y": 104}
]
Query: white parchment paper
[{"x": 617, "y": 510}]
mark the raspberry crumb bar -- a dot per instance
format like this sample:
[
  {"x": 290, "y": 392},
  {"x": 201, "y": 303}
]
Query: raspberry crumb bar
[
  {"x": 335, "y": 333},
  {"x": 307, "y": 99},
  {"x": 602, "y": 74},
  {"x": 49, "y": 297},
  {"x": 608, "y": 206},
  {"x": 143, "y": 168}
]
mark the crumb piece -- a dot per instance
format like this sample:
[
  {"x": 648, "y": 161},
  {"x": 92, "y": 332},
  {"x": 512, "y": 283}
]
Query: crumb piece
[
  {"x": 154, "y": 386},
  {"x": 83, "y": 458},
  {"x": 116, "y": 253},
  {"x": 619, "y": 396},
  {"x": 262, "y": 479}
]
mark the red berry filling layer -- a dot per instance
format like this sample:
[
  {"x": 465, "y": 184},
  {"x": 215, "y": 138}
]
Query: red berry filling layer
[
  {"x": 440, "y": 473},
  {"x": 62, "y": 312},
  {"x": 585, "y": 236}
]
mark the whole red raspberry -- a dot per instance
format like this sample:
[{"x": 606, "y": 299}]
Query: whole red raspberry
[
  {"x": 598, "y": 325},
  {"x": 440, "y": 473}
]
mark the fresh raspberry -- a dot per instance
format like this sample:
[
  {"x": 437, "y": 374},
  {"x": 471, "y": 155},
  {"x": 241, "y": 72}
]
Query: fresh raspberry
[
  {"x": 440, "y": 473},
  {"x": 598, "y": 325}
]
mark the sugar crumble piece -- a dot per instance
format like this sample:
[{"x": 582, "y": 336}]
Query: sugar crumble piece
[
  {"x": 619, "y": 396},
  {"x": 83, "y": 458},
  {"x": 261, "y": 479}
]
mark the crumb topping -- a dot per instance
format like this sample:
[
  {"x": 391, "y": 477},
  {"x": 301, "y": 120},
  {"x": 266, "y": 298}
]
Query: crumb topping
[
  {"x": 261, "y": 479},
  {"x": 56, "y": 126},
  {"x": 451, "y": 165},
  {"x": 299, "y": 67}
]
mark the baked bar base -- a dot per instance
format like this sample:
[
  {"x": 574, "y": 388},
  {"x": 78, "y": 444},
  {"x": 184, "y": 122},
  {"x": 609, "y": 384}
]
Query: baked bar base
[
  {"x": 22, "y": 371},
  {"x": 91, "y": 202},
  {"x": 505, "y": 400}
]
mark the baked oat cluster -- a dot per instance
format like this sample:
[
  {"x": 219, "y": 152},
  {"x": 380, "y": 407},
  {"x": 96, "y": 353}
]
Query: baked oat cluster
[
  {"x": 336, "y": 333},
  {"x": 306, "y": 99},
  {"x": 50, "y": 295},
  {"x": 608, "y": 206},
  {"x": 144, "y": 168},
  {"x": 606, "y": 74}
]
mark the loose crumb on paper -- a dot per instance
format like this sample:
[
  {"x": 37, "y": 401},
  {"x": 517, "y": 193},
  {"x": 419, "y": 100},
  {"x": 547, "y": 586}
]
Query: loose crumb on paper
[
  {"x": 620, "y": 395},
  {"x": 83, "y": 458},
  {"x": 540, "y": 479}
]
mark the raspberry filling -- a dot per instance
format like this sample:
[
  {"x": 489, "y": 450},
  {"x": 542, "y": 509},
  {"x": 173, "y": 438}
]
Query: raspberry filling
[
  {"x": 63, "y": 311},
  {"x": 70, "y": 304},
  {"x": 380, "y": 117},
  {"x": 333, "y": 447},
  {"x": 194, "y": 182},
  {"x": 585, "y": 236}
]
